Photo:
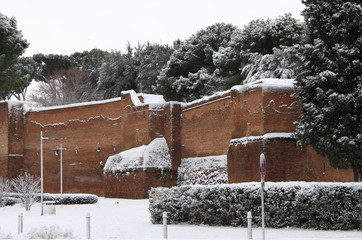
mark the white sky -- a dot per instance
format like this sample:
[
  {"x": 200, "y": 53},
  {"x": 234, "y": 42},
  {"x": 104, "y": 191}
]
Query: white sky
[{"x": 68, "y": 26}]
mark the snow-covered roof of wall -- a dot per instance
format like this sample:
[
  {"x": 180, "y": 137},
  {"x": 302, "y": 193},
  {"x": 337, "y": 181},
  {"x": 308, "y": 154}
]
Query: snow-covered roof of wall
[
  {"x": 267, "y": 85},
  {"x": 148, "y": 99},
  {"x": 275, "y": 135}
]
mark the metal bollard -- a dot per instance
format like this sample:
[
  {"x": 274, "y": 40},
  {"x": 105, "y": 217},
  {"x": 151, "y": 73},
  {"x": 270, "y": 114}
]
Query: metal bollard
[
  {"x": 250, "y": 233},
  {"x": 88, "y": 234},
  {"x": 20, "y": 223},
  {"x": 164, "y": 220}
]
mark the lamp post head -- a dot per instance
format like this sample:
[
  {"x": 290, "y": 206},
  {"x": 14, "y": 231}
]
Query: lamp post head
[{"x": 262, "y": 164}]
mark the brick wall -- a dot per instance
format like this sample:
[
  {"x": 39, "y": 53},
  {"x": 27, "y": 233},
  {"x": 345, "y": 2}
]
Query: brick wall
[
  {"x": 4, "y": 139},
  {"x": 207, "y": 127},
  {"x": 136, "y": 184},
  {"x": 91, "y": 134}
]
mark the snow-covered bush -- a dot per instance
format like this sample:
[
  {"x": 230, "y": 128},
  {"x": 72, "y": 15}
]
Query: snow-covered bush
[
  {"x": 27, "y": 187},
  {"x": 4, "y": 191},
  {"x": 50, "y": 232},
  {"x": 203, "y": 170},
  {"x": 5, "y": 236},
  {"x": 155, "y": 155},
  {"x": 71, "y": 198},
  {"x": 295, "y": 204}
]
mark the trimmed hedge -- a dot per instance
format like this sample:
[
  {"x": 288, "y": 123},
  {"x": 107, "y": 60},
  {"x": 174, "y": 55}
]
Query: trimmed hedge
[
  {"x": 68, "y": 199},
  {"x": 333, "y": 206}
]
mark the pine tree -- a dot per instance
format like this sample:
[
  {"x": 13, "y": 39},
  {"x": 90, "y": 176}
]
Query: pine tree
[
  {"x": 330, "y": 83},
  {"x": 12, "y": 45}
]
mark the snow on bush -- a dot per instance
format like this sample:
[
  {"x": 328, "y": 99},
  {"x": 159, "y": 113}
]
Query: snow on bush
[
  {"x": 203, "y": 170},
  {"x": 27, "y": 187},
  {"x": 155, "y": 155},
  {"x": 71, "y": 198},
  {"x": 4, "y": 191},
  {"x": 5, "y": 236},
  {"x": 50, "y": 232},
  {"x": 333, "y": 206}
]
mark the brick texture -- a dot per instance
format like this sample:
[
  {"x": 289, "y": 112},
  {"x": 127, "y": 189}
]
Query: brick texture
[{"x": 91, "y": 133}]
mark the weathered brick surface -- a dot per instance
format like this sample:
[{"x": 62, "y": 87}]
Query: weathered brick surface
[
  {"x": 91, "y": 133},
  {"x": 285, "y": 162},
  {"x": 4, "y": 139},
  {"x": 206, "y": 128},
  {"x": 137, "y": 184}
]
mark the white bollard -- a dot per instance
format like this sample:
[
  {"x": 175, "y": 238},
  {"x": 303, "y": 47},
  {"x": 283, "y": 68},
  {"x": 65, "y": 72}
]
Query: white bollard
[
  {"x": 88, "y": 228},
  {"x": 164, "y": 220},
  {"x": 20, "y": 223},
  {"x": 250, "y": 232}
]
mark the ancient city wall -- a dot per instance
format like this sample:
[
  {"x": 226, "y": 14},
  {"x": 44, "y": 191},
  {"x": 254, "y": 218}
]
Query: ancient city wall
[
  {"x": 240, "y": 123},
  {"x": 206, "y": 126}
]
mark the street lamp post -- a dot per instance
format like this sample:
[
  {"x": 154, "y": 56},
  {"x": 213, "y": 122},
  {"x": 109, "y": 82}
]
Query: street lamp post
[
  {"x": 61, "y": 169},
  {"x": 42, "y": 169},
  {"x": 262, "y": 180}
]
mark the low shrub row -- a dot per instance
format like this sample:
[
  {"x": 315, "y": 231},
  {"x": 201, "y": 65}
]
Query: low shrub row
[
  {"x": 334, "y": 206},
  {"x": 68, "y": 199}
]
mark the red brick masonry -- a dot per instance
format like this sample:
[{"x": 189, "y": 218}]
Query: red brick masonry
[{"x": 242, "y": 123}]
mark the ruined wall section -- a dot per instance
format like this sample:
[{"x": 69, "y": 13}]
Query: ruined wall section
[
  {"x": 206, "y": 126},
  {"x": 91, "y": 133},
  {"x": 11, "y": 139},
  {"x": 4, "y": 139},
  {"x": 263, "y": 115}
]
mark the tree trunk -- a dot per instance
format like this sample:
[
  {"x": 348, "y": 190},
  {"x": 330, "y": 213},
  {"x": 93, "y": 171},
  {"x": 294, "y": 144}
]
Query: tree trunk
[{"x": 357, "y": 172}]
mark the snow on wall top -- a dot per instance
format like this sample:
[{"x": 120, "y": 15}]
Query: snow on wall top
[
  {"x": 207, "y": 98},
  {"x": 267, "y": 85},
  {"x": 147, "y": 99},
  {"x": 246, "y": 140},
  {"x": 34, "y": 108},
  {"x": 155, "y": 155}
]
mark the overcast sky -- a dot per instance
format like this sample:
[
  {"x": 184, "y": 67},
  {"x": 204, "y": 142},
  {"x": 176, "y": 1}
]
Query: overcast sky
[{"x": 68, "y": 26}]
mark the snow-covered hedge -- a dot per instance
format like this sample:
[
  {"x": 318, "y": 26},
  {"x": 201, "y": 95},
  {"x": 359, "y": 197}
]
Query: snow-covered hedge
[
  {"x": 154, "y": 155},
  {"x": 294, "y": 204},
  {"x": 203, "y": 170},
  {"x": 71, "y": 198}
]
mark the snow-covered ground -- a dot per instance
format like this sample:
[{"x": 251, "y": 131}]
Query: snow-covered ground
[{"x": 130, "y": 219}]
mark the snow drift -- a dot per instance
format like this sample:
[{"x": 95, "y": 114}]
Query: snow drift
[{"x": 154, "y": 155}]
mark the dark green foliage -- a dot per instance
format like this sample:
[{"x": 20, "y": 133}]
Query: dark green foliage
[
  {"x": 330, "y": 82},
  {"x": 191, "y": 64},
  {"x": 262, "y": 36},
  {"x": 222, "y": 56},
  {"x": 52, "y": 63},
  {"x": 149, "y": 60},
  {"x": 12, "y": 45},
  {"x": 91, "y": 61},
  {"x": 303, "y": 205}
]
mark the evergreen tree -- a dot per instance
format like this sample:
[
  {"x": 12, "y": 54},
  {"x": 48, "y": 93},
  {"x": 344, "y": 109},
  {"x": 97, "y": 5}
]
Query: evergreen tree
[
  {"x": 24, "y": 72},
  {"x": 12, "y": 45},
  {"x": 191, "y": 56},
  {"x": 149, "y": 60},
  {"x": 117, "y": 74},
  {"x": 330, "y": 83}
]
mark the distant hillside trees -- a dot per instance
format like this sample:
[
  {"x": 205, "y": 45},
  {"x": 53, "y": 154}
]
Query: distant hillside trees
[
  {"x": 12, "y": 46},
  {"x": 96, "y": 74},
  {"x": 330, "y": 82}
]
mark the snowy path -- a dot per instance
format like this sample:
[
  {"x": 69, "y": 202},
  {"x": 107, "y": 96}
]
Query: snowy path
[{"x": 129, "y": 219}]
